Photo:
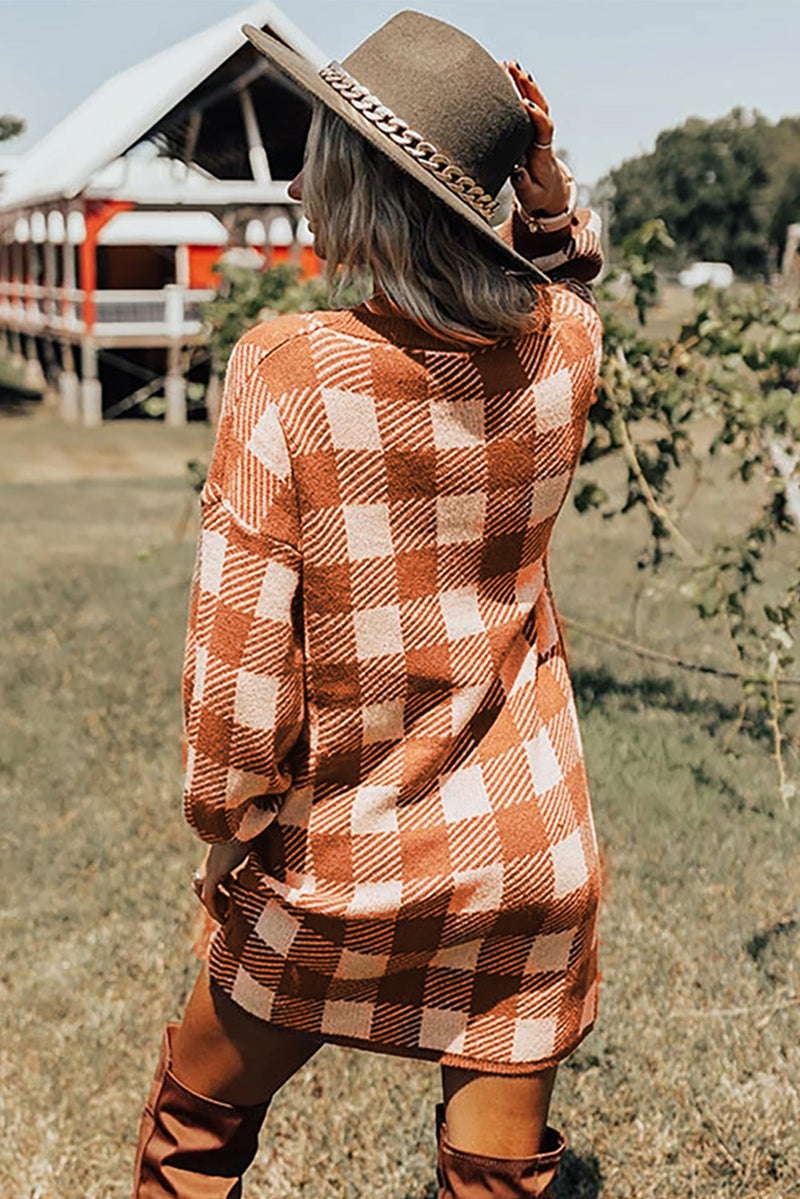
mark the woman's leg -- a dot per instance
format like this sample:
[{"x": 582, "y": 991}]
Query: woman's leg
[
  {"x": 224, "y": 1053},
  {"x": 497, "y": 1115},
  {"x": 494, "y": 1138},
  {"x": 216, "y": 1075}
]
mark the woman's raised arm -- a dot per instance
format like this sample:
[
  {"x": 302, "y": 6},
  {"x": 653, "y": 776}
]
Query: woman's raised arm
[{"x": 544, "y": 225}]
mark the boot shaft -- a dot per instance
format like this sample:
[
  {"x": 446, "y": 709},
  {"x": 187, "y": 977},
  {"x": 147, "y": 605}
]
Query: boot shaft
[
  {"x": 475, "y": 1176},
  {"x": 191, "y": 1147}
]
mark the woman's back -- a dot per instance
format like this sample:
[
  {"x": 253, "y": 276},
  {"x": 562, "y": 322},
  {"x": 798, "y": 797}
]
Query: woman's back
[{"x": 436, "y": 773}]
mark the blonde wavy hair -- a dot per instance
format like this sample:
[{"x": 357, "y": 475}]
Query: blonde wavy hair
[{"x": 377, "y": 226}]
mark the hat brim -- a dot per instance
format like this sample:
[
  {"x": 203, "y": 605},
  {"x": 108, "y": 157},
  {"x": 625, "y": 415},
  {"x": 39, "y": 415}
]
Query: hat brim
[{"x": 303, "y": 72}]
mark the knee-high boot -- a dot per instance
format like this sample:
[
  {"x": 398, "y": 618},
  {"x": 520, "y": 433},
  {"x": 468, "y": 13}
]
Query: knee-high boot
[
  {"x": 473, "y": 1176},
  {"x": 191, "y": 1147}
]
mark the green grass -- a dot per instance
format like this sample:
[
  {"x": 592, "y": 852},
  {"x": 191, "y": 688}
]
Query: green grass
[{"x": 690, "y": 1084}]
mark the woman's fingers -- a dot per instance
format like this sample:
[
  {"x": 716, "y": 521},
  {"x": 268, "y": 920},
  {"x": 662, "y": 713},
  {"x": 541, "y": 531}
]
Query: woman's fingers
[
  {"x": 539, "y": 182},
  {"x": 538, "y": 111},
  {"x": 527, "y": 86},
  {"x": 544, "y": 128},
  {"x": 214, "y": 897},
  {"x": 545, "y": 192},
  {"x": 207, "y": 883},
  {"x": 218, "y": 863}
]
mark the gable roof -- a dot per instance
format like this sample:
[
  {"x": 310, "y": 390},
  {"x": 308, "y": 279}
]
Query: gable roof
[{"x": 140, "y": 101}]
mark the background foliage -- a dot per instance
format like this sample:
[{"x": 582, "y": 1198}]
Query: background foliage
[
  {"x": 10, "y": 127},
  {"x": 726, "y": 189},
  {"x": 726, "y": 388},
  {"x": 247, "y": 296}
]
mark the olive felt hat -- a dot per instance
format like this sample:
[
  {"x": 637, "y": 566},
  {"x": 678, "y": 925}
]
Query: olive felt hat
[{"x": 436, "y": 103}]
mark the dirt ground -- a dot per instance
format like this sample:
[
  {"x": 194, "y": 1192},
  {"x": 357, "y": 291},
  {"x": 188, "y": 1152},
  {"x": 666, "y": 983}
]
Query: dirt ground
[{"x": 37, "y": 447}]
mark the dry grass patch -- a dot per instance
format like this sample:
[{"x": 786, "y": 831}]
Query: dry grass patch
[{"x": 688, "y": 1086}]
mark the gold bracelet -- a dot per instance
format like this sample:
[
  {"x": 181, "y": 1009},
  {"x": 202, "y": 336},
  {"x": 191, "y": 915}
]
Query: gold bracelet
[{"x": 546, "y": 223}]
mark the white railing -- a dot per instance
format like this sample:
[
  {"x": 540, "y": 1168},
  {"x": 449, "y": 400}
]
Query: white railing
[
  {"x": 129, "y": 307},
  {"x": 172, "y": 311}
]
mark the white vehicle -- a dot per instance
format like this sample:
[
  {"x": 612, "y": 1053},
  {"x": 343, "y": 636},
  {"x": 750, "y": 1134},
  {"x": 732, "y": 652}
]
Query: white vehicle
[{"x": 718, "y": 274}]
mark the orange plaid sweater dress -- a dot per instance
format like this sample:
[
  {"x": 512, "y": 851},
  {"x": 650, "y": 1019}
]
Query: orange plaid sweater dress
[{"x": 376, "y": 693}]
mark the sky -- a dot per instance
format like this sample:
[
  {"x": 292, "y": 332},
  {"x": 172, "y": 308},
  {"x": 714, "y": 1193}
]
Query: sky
[{"x": 616, "y": 72}]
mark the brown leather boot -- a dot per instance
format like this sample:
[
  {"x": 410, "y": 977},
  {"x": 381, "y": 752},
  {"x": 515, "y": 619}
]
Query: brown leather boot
[
  {"x": 472, "y": 1176},
  {"x": 191, "y": 1147}
]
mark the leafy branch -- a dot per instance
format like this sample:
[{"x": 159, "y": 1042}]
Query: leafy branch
[{"x": 737, "y": 364}]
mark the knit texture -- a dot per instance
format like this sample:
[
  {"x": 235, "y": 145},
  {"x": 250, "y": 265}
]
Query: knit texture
[{"x": 376, "y": 691}]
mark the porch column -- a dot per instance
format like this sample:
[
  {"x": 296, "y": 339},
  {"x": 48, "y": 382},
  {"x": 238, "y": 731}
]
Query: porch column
[
  {"x": 51, "y": 370},
  {"x": 69, "y": 387},
  {"x": 97, "y": 214},
  {"x": 5, "y": 280},
  {"x": 88, "y": 275},
  {"x": 15, "y": 347},
  {"x": 174, "y": 383},
  {"x": 18, "y": 273},
  {"x": 91, "y": 391},
  {"x": 69, "y": 281},
  {"x": 32, "y": 278},
  {"x": 50, "y": 281},
  {"x": 182, "y": 271}
]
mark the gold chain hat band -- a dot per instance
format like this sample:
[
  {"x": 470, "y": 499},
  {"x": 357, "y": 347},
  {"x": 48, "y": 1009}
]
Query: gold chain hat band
[{"x": 413, "y": 143}]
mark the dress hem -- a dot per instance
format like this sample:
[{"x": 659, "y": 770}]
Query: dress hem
[
  {"x": 442, "y": 1059},
  {"x": 418, "y": 1053}
]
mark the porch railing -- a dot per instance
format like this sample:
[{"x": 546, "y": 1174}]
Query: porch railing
[{"x": 171, "y": 311}]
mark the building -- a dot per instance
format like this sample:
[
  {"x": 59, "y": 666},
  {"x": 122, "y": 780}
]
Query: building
[{"x": 110, "y": 226}]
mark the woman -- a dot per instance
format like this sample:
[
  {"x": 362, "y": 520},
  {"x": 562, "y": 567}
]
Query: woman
[{"x": 383, "y": 752}]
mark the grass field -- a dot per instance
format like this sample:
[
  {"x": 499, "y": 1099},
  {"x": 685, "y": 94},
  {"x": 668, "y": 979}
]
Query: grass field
[{"x": 690, "y": 1084}]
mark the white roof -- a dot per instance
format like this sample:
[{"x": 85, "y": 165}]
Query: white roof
[
  {"x": 123, "y": 108},
  {"x": 146, "y": 179},
  {"x": 163, "y": 229}
]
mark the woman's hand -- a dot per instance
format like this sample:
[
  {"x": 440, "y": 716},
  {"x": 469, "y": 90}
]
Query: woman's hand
[
  {"x": 219, "y": 862},
  {"x": 539, "y": 183}
]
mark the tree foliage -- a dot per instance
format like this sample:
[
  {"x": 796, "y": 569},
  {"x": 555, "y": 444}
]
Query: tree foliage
[
  {"x": 640, "y": 251},
  {"x": 726, "y": 189},
  {"x": 247, "y": 296},
  {"x": 735, "y": 363},
  {"x": 10, "y": 127}
]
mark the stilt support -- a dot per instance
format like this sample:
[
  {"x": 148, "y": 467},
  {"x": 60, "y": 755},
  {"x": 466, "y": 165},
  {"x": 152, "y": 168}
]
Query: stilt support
[
  {"x": 33, "y": 375},
  {"x": 15, "y": 345},
  {"x": 213, "y": 398},
  {"x": 69, "y": 388},
  {"x": 91, "y": 391},
  {"x": 175, "y": 388}
]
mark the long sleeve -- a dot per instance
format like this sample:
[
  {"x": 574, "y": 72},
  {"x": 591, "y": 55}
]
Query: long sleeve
[
  {"x": 243, "y": 669},
  {"x": 573, "y": 254}
]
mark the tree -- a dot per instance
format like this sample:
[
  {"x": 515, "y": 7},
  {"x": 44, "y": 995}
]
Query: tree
[
  {"x": 724, "y": 189},
  {"x": 786, "y": 210},
  {"x": 10, "y": 127}
]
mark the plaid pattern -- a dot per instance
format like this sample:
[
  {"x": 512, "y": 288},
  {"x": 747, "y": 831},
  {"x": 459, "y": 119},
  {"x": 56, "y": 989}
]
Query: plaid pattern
[{"x": 376, "y": 688}]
